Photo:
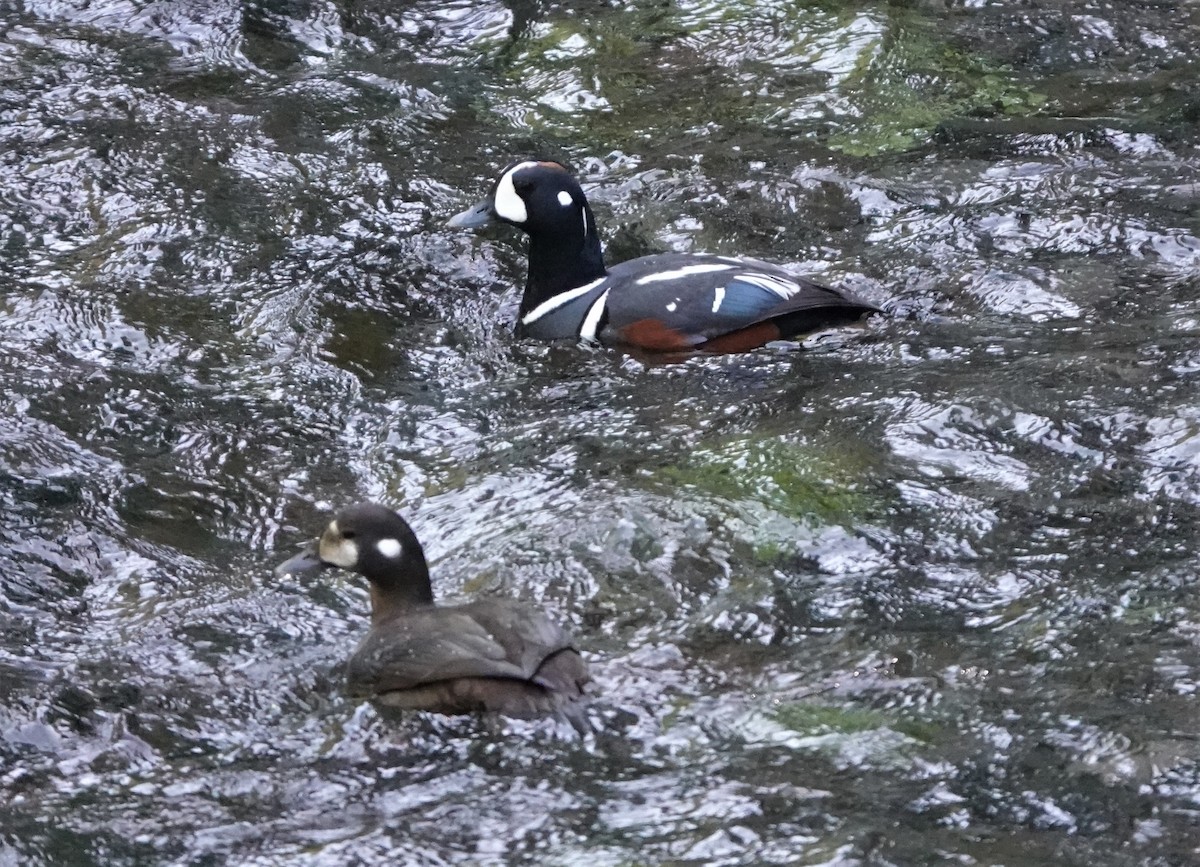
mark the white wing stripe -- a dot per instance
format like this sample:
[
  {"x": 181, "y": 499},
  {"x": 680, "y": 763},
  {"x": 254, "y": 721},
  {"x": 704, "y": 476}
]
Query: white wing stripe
[
  {"x": 679, "y": 273},
  {"x": 785, "y": 289}
]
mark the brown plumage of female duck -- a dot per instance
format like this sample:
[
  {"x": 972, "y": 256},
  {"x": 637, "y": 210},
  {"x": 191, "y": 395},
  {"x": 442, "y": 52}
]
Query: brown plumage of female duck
[{"x": 487, "y": 655}]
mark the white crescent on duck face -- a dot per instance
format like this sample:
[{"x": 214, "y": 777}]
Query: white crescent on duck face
[
  {"x": 507, "y": 203},
  {"x": 670, "y": 302}
]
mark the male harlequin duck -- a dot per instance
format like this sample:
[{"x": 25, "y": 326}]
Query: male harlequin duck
[
  {"x": 672, "y": 302},
  {"x": 488, "y": 655}
]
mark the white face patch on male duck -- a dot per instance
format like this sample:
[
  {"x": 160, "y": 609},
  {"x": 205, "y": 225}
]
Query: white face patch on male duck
[
  {"x": 507, "y": 201},
  {"x": 670, "y": 302}
]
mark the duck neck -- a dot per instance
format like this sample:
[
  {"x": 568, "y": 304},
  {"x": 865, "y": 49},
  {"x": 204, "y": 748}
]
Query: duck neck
[
  {"x": 386, "y": 605},
  {"x": 400, "y": 591},
  {"x": 561, "y": 262}
]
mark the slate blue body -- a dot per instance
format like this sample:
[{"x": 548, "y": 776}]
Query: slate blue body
[{"x": 671, "y": 302}]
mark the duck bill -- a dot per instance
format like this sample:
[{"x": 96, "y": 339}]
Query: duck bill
[
  {"x": 473, "y": 218},
  {"x": 303, "y": 563}
]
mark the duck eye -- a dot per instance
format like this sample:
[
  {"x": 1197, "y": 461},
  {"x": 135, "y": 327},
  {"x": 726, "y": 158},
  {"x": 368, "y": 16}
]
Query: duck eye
[
  {"x": 521, "y": 184},
  {"x": 348, "y": 534}
]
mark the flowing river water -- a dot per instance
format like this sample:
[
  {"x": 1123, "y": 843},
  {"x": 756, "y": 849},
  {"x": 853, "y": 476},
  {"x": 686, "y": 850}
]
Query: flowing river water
[{"x": 918, "y": 593}]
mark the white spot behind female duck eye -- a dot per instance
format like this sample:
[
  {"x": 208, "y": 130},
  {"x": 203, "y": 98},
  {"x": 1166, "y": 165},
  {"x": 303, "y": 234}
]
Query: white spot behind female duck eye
[
  {"x": 507, "y": 203},
  {"x": 564, "y": 198},
  {"x": 389, "y": 548}
]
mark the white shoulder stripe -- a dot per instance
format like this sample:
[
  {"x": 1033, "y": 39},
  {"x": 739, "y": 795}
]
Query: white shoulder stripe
[
  {"x": 552, "y": 304},
  {"x": 718, "y": 297},
  {"x": 591, "y": 322},
  {"x": 679, "y": 273}
]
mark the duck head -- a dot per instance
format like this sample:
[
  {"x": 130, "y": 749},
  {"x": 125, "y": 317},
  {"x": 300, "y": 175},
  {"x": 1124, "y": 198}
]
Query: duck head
[
  {"x": 543, "y": 199},
  {"x": 377, "y": 543}
]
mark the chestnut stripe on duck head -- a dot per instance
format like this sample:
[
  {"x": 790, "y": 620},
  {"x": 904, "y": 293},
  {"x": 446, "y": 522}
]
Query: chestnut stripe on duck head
[
  {"x": 671, "y": 302},
  {"x": 486, "y": 655}
]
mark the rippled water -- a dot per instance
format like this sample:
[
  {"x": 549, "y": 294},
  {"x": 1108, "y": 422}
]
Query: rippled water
[{"x": 919, "y": 594}]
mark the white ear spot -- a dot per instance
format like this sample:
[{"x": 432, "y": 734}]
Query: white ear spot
[
  {"x": 564, "y": 198},
  {"x": 507, "y": 203},
  {"x": 389, "y": 548}
]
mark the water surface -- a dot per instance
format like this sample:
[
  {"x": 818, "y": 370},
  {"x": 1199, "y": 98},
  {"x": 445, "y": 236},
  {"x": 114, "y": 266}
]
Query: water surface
[{"x": 923, "y": 593}]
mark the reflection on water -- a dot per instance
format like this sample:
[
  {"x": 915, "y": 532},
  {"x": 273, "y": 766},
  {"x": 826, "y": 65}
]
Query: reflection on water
[{"x": 926, "y": 588}]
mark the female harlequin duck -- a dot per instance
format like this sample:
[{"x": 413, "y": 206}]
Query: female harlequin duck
[
  {"x": 672, "y": 302},
  {"x": 488, "y": 655}
]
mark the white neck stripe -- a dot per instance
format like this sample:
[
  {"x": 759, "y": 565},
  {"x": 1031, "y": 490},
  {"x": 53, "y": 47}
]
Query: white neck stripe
[{"x": 552, "y": 304}]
